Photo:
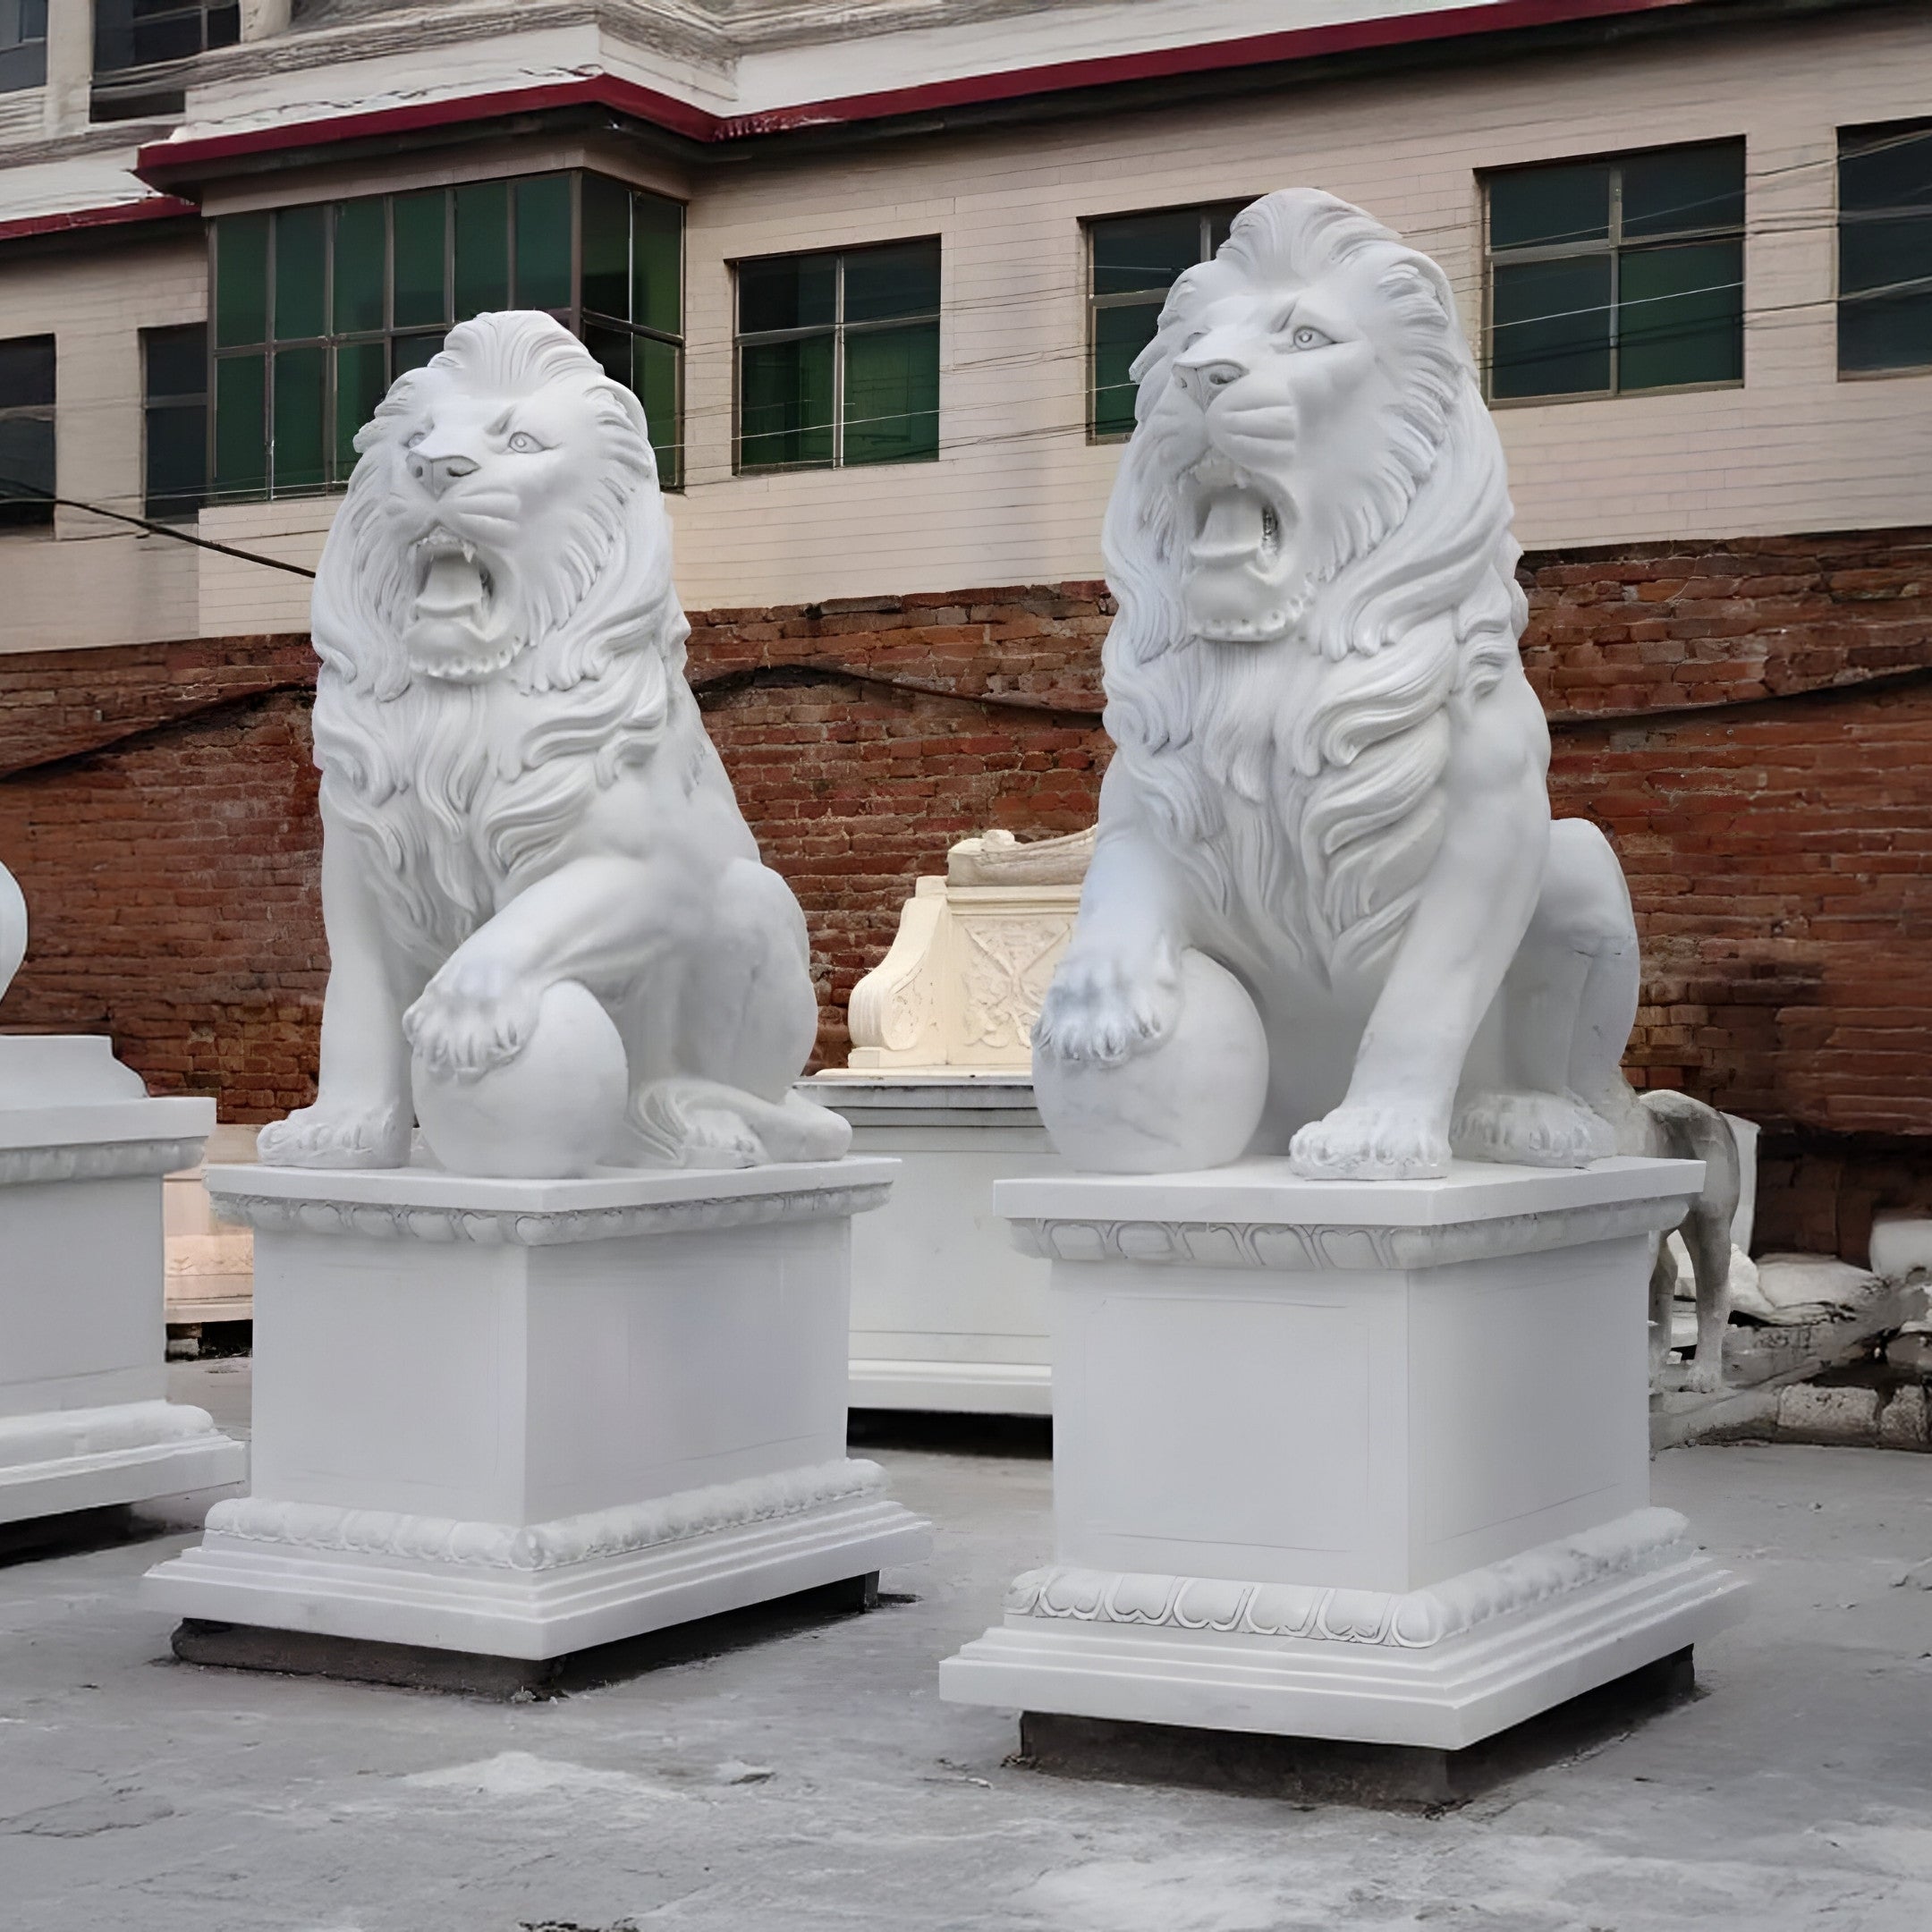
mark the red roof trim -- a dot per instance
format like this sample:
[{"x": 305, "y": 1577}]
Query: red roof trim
[
  {"x": 160, "y": 160},
  {"x": 152, "y": 207}
]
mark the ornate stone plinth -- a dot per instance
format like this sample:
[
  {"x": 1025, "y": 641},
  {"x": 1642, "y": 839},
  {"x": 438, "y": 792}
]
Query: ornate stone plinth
[
  {"x": 83, "y": 1420},
  {"x": 578, "y": 1410},
  {"x": 1347, "y": 1460}
]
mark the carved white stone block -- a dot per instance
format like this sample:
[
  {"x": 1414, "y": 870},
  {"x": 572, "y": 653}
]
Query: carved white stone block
[
  {"x": 945, "y": 1315},
  {"x": 599, "y": 1407},
  {"x": 1350, "y": 1460},
  {"x": 84, "y": 1421}
]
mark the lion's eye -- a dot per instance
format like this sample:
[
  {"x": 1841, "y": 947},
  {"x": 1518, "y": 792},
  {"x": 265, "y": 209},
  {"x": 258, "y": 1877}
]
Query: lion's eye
[
  {"x": 524, "y": 444},
  {"x": 1310, "y": 337},
  {"x": 415, "y": 439}
]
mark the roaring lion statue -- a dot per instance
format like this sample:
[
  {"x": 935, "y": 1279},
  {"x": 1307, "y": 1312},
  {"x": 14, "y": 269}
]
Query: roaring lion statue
[
  {"x": 517, "y": 787},
  {"x": 1330, "y": 770}
]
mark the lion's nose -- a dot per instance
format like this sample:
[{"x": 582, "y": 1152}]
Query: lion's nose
[
  {"x": 1202, "y": 379},
  {"x": 437, "y": 473}
]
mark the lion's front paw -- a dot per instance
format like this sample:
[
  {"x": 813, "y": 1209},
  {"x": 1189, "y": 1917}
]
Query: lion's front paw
[
  {"x": 477, "y": 1013},
  {"x": 1370, "y": 1143},
  {"x": 1104, "y": 1006},
  {"x": 1532, "y": 1130},
  {"x": 332, "y": 1134}
]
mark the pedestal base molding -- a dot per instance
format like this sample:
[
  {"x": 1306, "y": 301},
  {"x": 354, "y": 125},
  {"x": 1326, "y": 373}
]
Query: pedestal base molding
[
  {"x": 537, "y": 1590},
  {"x": 76, "y": 1459},
  {"x": 1441, "y": 1667}
]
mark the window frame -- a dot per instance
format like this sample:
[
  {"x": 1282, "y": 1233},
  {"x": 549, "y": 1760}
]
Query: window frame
[
  {"x": 16, "y": 51},
  {"x": 337, "y": 465},
  {"x": 1876, "y": 131},
  {"x": 1613, "y": 244},
  {"x": 203, "y": 8},
  {"x": 837, "y": 329},
  {"x": 1207, "y": 213},
  {"x": 11, "y": 521}
]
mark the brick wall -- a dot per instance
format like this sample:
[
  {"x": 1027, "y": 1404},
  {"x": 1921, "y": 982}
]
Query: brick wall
[{"x": 1751, "y": 723}]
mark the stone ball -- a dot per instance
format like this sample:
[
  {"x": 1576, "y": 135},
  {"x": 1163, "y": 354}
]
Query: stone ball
[
  {"x": 554, "y": 1111},
  {"x": 1193, "y": 1100}
]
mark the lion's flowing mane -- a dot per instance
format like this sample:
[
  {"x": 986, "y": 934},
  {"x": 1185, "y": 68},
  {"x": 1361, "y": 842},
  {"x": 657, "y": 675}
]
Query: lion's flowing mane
[
  {"x": 410, "y": 761},
  {"x": 1300, "y": 780}
]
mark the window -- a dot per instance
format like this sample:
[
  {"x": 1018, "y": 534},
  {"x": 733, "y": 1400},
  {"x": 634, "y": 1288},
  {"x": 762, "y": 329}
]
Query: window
[
  {"x": 143, "y": 33},
  {"x": 22, "y": 44},
  {"x": 174, "y": 406},
  {"x": 317, "y": 309},
  {"x": 1884, "y": 248},
  {"x": 838, "y": 359},
  {"x": 1611, "y": 276},
  {"x": 1133, "y": 261},
  {"x": 27, "y": 430}
]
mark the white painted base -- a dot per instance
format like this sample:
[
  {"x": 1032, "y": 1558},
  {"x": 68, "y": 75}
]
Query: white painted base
[
  {"x": 83, "y": 1421},
  {"x": 1347, "y": 1460},
  {"x": 601, "y": 1407},
  {"x": 81, "y": 1459},
  {"x": 1448, "y": 1693},
  {"x": 946, "y": 1314},
  {"x": 302, "y": 1570}
]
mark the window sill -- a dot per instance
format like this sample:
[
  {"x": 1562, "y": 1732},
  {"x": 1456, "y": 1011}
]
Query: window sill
[
  {"x": 1885, "y": 375},
  {"x": 1607, "y": 395}
]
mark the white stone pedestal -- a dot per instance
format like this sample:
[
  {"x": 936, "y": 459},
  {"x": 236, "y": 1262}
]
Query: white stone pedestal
[
  {"x": 522, "y": 1418},
  {"x": 84, "y": 1423},
  {"x": 1347, "y": 1460},
  {"x": 945, "y": 1314}
]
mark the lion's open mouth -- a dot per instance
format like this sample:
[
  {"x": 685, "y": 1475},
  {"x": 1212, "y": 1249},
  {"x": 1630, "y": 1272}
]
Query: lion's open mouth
[
  {"x": 1235, "y": 564},
  {"x": 455, "y": 632}
]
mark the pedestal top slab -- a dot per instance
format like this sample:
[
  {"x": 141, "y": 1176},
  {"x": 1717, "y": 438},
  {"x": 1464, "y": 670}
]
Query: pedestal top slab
[
  {"x": 428, "y": 1203},
  {"x": 944, "y": 1097},
  {"x": 70, "y": 1111},
  {"x": 1260, "y": 1213}
]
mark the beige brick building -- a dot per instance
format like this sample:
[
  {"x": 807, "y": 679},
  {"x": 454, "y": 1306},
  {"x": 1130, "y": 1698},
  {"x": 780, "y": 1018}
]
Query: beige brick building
[{"x": 1689, "y": 238}]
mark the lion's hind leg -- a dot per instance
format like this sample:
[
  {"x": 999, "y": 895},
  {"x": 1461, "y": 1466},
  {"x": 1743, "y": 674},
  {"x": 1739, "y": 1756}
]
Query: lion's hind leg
[{"x": 1568, "y": 1003}]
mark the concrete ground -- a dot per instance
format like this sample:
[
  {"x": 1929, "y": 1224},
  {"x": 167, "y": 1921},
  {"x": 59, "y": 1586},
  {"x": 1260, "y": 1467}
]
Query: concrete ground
[{"x": 816, "y": 1780}]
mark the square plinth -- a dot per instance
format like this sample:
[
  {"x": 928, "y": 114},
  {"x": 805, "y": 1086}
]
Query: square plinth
[
  {"x": 84, "y": 1421},
  {"x": 581, "y": 1410},
  {"x": 1347, "y": 1460}
]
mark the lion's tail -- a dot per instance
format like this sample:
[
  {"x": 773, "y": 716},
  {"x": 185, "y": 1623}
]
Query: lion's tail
[{"x": 688, "y": 1123}]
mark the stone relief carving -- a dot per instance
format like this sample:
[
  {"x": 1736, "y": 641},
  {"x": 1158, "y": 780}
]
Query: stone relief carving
[
  {"x": 1414, "y": 1620},
  {"x": 524, "y": 1228},
  {"x": 548, "y": 924},
  {"x": 107, "y": 1160},
  {"x": 547, "y": 1546},
  {"x": 972, "y": 958},
  {"x": 1008, "y": 966},
  {"x": 1329, "y": 772},
  {"x": 1261, "y": 1244}
]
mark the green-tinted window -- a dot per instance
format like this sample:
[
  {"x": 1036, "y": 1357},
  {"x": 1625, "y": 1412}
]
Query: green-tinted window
[
  {"x": 352, "y": 294},
  {"x": 482, "y": 248},
  {"x": 361, "y": 245},
  {"x": 240, "y": 280},
  {"x": 542, "y": 243},
  {"x": 26, "y": 469},
  {"x": 301, "y": 273},
  {"x": 175, "y": 420},
  {"x": 1133, "y": 261},
  {"x": 1615, "y": 275},
  {"x": 1884, "y": 248},
  {"x": 241, "y": 425},
  {"x": 838, "y": 358},
  {"x": 420, "y": 247}
]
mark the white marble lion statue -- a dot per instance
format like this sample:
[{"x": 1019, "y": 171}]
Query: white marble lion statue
[
  {"x": 519, "y": 795},
  {"x": 1329, "y": 777}
]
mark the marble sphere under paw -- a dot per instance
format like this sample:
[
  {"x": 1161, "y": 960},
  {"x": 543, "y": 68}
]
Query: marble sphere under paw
[
  {"x": 1192, "y": 1100},
  {"x": 554, "y": 1112}
]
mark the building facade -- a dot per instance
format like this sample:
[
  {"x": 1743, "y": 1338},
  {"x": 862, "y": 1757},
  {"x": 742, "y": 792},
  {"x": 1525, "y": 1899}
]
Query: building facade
[{"x": 877, "y": 273}]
